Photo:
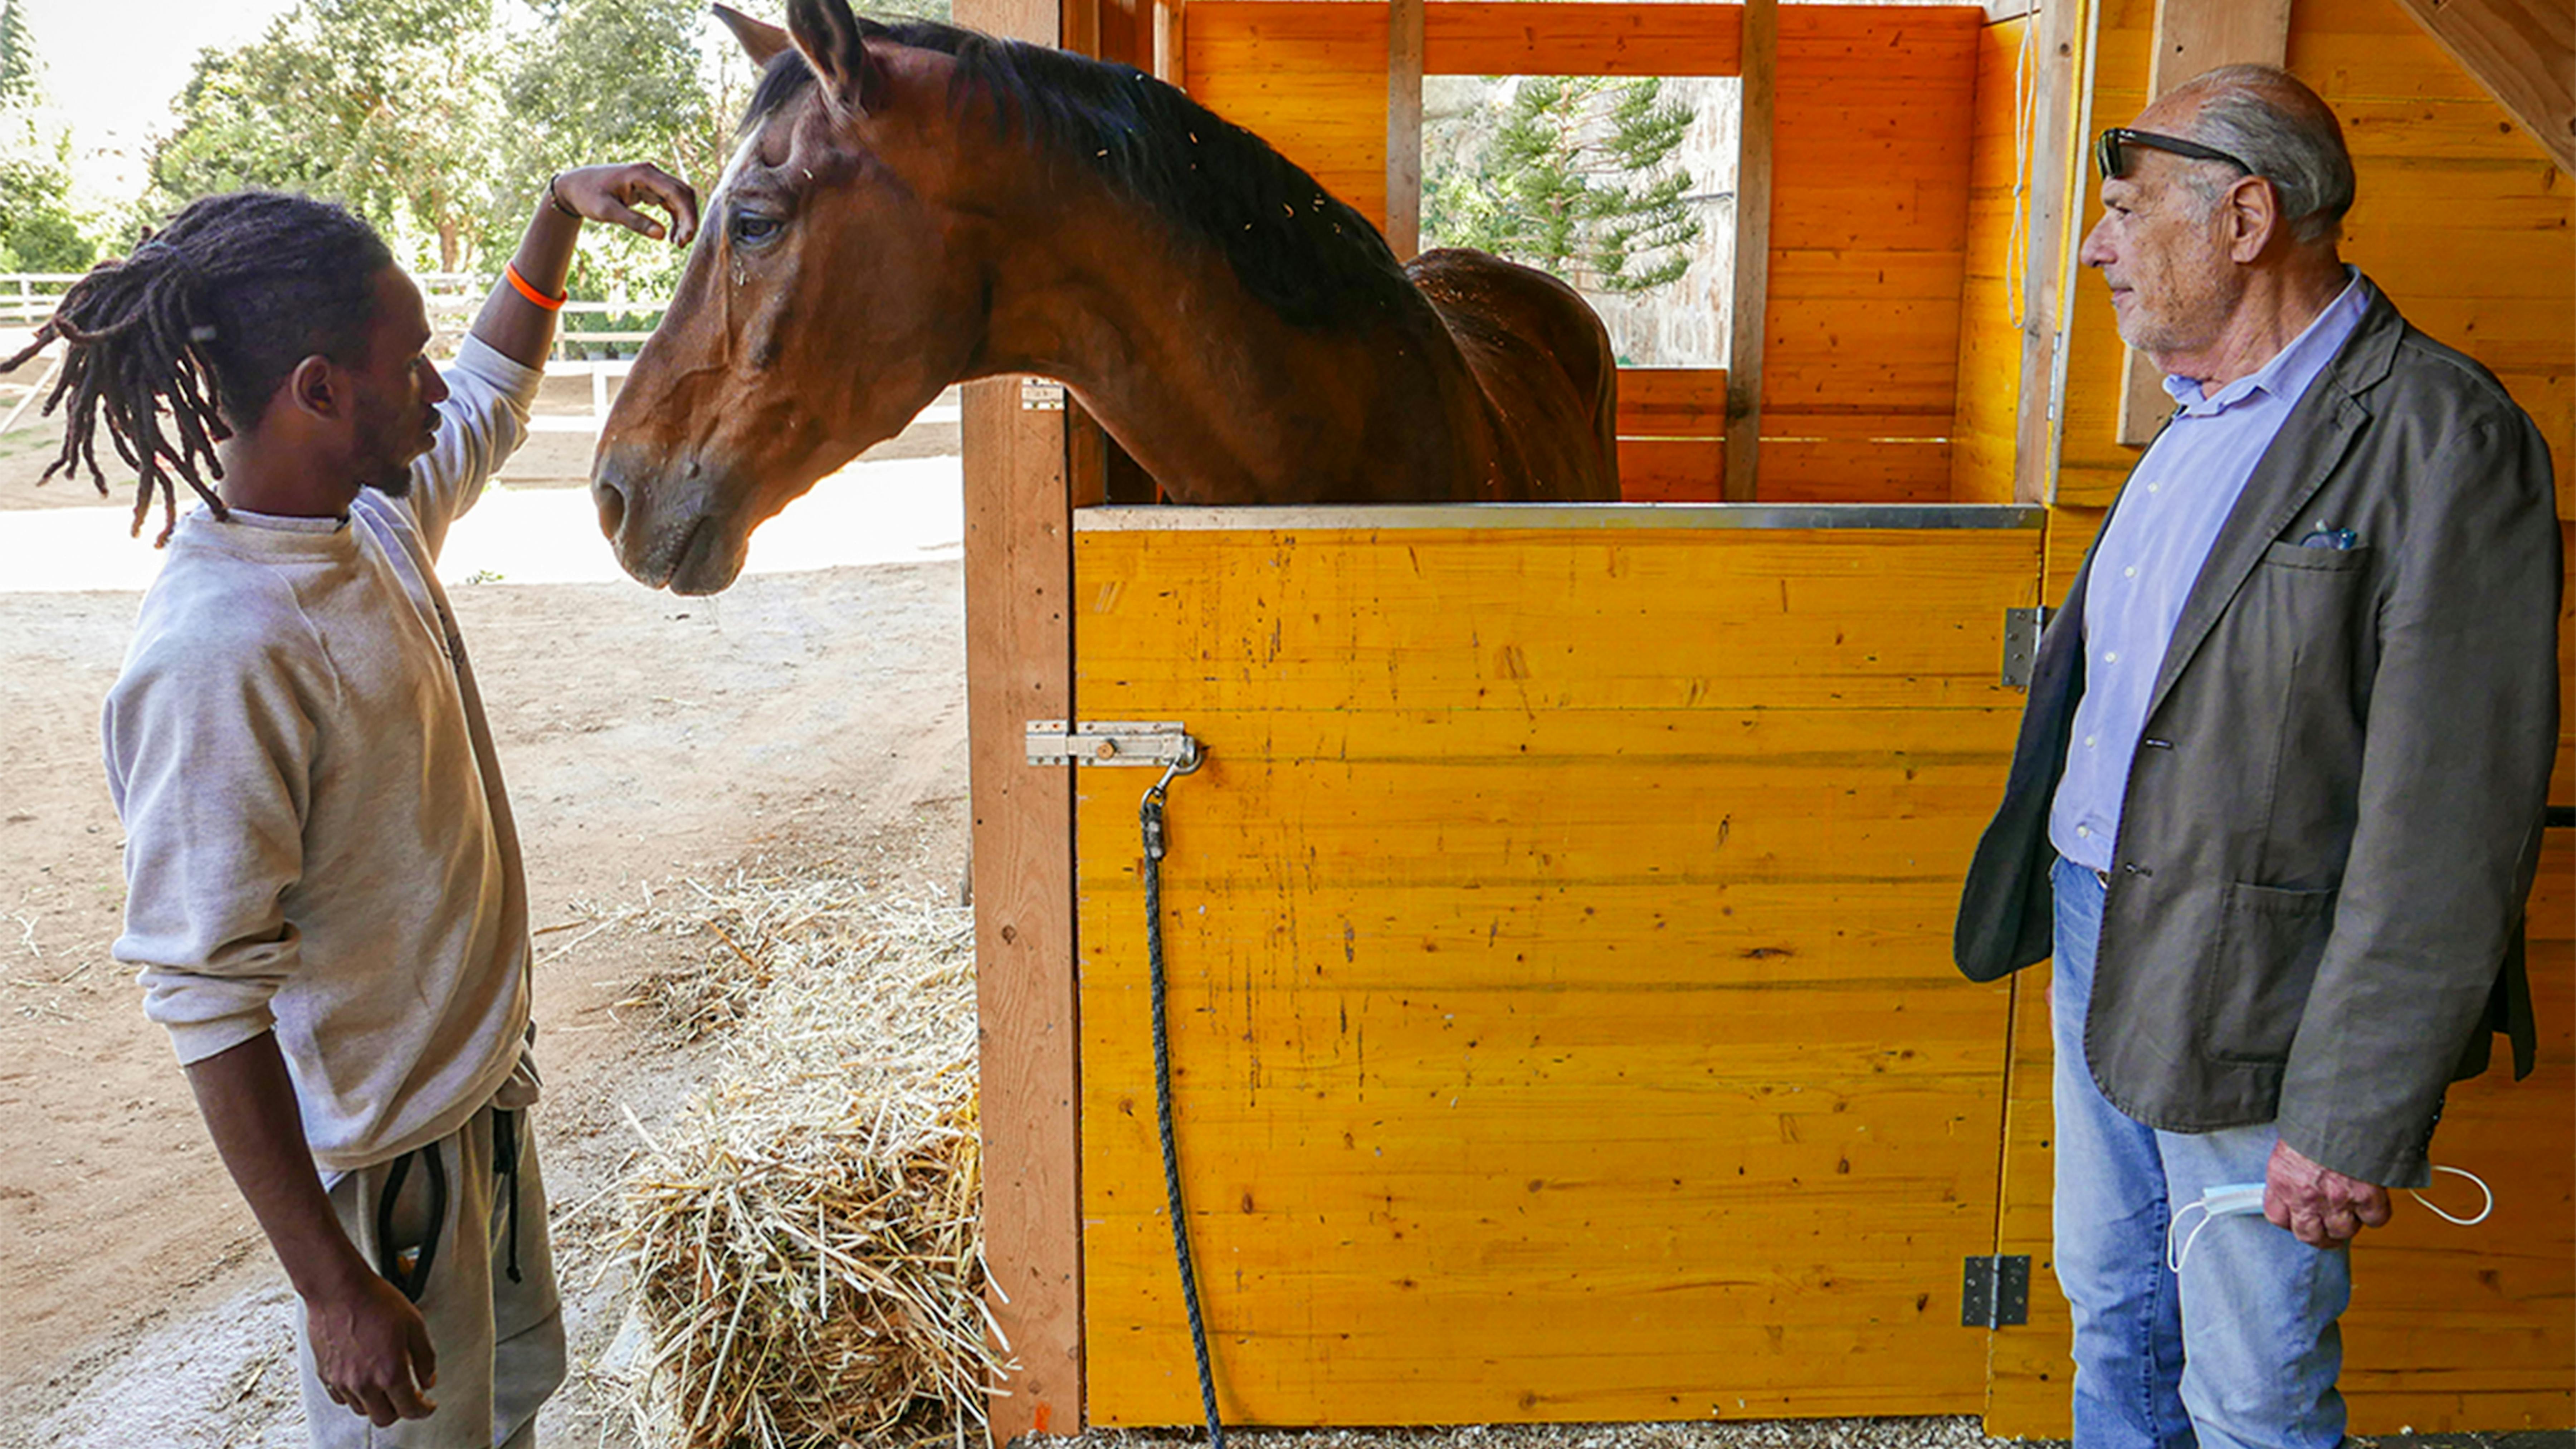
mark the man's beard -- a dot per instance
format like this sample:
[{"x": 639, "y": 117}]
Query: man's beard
[
  {"x": 392, "y": 482},
  {"x": 388, "y": 471}
]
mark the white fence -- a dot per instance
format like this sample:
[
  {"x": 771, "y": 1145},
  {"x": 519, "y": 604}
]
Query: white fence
[{"x": 600, "y": 351}]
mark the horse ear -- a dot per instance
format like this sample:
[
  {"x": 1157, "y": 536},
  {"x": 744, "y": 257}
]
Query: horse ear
[
  {"x": 832, "y": 43},
  {"x": 760, "y": 40}
]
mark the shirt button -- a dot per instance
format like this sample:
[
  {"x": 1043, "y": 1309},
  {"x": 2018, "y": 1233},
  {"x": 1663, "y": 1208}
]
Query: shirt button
[
  {"x": 2130, "y": 572},
  {"x": 2084, "y": 832},
  {"x": 2155, "y": 487},
  {"x": 2111, "y": 656},
  {"x": 2088, "y": 742}
]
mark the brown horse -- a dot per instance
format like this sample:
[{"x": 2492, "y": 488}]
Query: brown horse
[{"x": 914, "y": 205}]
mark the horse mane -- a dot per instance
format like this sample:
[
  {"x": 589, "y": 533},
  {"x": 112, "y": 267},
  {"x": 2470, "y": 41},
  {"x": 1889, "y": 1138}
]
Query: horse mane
[{"x": 1295, "y": 247}]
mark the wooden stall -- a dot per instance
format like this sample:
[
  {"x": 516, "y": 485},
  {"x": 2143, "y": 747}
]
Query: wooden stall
[
  {"x": 1562, "y": 1006},
  {"x": 1559, "y": 932}
]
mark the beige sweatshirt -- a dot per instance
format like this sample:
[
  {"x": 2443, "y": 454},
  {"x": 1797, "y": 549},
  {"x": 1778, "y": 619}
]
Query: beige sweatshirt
[{"x": 317, "y": 840}]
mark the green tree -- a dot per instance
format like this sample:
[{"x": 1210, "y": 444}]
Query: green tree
[
  {"x": 392, "y": 106},
  {"x": 38, "y": 229},
  {"x": 1577, "y": 181},
  {"x": 614, "y": 80},
  {"x": 20, "y": 70}
]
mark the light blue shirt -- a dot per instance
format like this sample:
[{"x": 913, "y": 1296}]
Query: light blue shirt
[{"x": 2161, "y": 534}]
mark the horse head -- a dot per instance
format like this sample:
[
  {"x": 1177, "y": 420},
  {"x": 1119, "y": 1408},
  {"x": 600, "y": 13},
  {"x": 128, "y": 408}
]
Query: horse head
[{"x": 824, "y": 305}]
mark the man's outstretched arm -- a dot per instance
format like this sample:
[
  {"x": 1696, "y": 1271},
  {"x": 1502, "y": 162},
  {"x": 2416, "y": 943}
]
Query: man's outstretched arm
[
  {"x": 522, "y": 331},
  {"x": 370, "y": 1347}
]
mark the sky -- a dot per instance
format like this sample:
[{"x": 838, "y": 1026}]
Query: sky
[{"x": 111, "y": 67}]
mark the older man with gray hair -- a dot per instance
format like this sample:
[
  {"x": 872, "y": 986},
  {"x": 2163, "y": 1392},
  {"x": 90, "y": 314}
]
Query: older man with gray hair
[{"x": 2278, "y": 796}]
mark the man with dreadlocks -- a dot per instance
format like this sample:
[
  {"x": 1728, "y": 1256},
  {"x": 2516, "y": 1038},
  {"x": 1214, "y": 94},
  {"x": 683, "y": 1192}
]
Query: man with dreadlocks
[{"x": 324, "y": 889}]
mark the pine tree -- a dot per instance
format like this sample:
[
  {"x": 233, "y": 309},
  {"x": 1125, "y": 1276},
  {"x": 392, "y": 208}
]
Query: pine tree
[{"x": 1578, "y": 182}]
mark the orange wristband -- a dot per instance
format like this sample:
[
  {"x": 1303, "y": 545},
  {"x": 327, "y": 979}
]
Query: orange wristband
[{"x": 511, "y": 271}]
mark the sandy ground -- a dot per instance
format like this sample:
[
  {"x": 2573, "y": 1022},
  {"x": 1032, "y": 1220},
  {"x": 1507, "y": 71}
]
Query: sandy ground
[{"x": 807, "y": 719}]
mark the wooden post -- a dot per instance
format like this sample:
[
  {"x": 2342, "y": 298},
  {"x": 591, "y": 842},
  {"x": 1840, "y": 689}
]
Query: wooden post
[
  {"x": 2056, "y": 190},
  {"x": 1761, "y": 49},
  {"x": 1404, "y": 127},
  {"x": 1019, "y": 667},
  {"x": 2193, "y": 36},
  {"x": 2523, "y": 52},
  {"x": 1171, "y": 43}
]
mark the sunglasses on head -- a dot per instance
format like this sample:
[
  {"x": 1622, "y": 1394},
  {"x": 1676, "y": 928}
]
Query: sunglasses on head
[{"x": 2112, "y": 151}]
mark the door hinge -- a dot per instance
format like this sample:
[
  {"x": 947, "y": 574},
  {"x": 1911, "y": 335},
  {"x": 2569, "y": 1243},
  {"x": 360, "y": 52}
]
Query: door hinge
[
  {"x": 2022, "y": 628},
  {"x": 1111, "y": 742},
  {"x": 1994, "y": 1292}
]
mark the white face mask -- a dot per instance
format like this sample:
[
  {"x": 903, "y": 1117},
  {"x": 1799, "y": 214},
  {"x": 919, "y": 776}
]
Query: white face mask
[{"x": 2240, "y": 1199}]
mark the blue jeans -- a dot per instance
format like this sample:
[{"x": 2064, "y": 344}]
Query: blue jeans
[{"x": 2240, "y": 1348}]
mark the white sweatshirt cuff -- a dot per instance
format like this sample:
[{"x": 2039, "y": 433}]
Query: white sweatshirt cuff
[{"x": 196, "y": 1039}]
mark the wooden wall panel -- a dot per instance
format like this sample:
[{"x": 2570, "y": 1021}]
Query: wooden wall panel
[
  {"x": 1990, "y": 339},
  {"x": 1309, "y": 78},
  {"x": 1473, "y": 37},
  {"x": 1562, "y": 1011},
  {"x": 1871, "y": 152},
  {"x": 1672, "y": 434},
  {"x": 2461, "y": 216}
]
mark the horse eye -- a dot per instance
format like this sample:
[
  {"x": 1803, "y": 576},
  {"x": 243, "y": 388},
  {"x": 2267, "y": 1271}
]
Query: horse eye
[{"x": 750, "y": 228}]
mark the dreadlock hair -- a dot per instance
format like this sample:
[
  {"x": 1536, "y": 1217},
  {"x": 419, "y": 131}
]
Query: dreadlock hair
[{"x": 202, "y": 322}]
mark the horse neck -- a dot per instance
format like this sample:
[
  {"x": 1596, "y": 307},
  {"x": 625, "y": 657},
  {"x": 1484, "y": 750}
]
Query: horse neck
[{"x": 1216, "y": 395}]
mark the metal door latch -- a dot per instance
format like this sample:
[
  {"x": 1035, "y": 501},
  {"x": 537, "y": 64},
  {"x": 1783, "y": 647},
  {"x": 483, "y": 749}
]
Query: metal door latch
[{"x": 1157, "y": 743}]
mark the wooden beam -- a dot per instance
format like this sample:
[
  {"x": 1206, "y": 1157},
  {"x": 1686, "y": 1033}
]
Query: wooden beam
[
  {"x": 1404, "y": 127},
  {"x": 2193, "y": 36},
  {"x": 1171, "y": 43},
  {"x": 1750, "y": 318},
  {"x": 2523, "y": 52},
  {"x": 2052, "y": 194},
  {"x": 1078, "y": 26},
  {"x": 1019, "y": 667}
]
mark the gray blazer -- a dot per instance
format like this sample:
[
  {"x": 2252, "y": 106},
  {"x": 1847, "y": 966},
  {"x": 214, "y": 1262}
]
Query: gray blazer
[{"x": 2331, "y": 825}]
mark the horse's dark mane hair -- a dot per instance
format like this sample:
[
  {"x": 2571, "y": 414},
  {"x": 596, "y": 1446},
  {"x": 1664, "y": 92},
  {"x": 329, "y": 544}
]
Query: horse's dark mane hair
[{"x": 1295, "y": 247}]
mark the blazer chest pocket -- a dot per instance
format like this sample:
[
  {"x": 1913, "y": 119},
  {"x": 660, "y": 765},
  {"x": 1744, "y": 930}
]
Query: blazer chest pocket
[
  {"x": 2317, "y": 560},
  {"x": 2255, "y": 987}
]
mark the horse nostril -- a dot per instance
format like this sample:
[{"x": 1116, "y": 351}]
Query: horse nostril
[{"x": 611, "y": 501}]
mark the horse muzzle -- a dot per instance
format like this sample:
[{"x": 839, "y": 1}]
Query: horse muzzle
[{"x": 667, "y": 522}]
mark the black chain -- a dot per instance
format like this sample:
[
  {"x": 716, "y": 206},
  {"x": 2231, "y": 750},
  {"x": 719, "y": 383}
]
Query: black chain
[{"x": 1151, "y": 816}]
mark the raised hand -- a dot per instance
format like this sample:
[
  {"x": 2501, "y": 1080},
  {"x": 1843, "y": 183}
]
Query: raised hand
[{"x": 611, "y": 194}]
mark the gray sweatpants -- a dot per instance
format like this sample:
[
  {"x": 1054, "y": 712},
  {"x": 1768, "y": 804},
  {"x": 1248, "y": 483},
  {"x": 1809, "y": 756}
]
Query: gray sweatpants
[{"x": 500, "y": 1343}]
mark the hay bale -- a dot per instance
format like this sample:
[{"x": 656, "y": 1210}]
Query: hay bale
[{"x": 805, "y": 1246}]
